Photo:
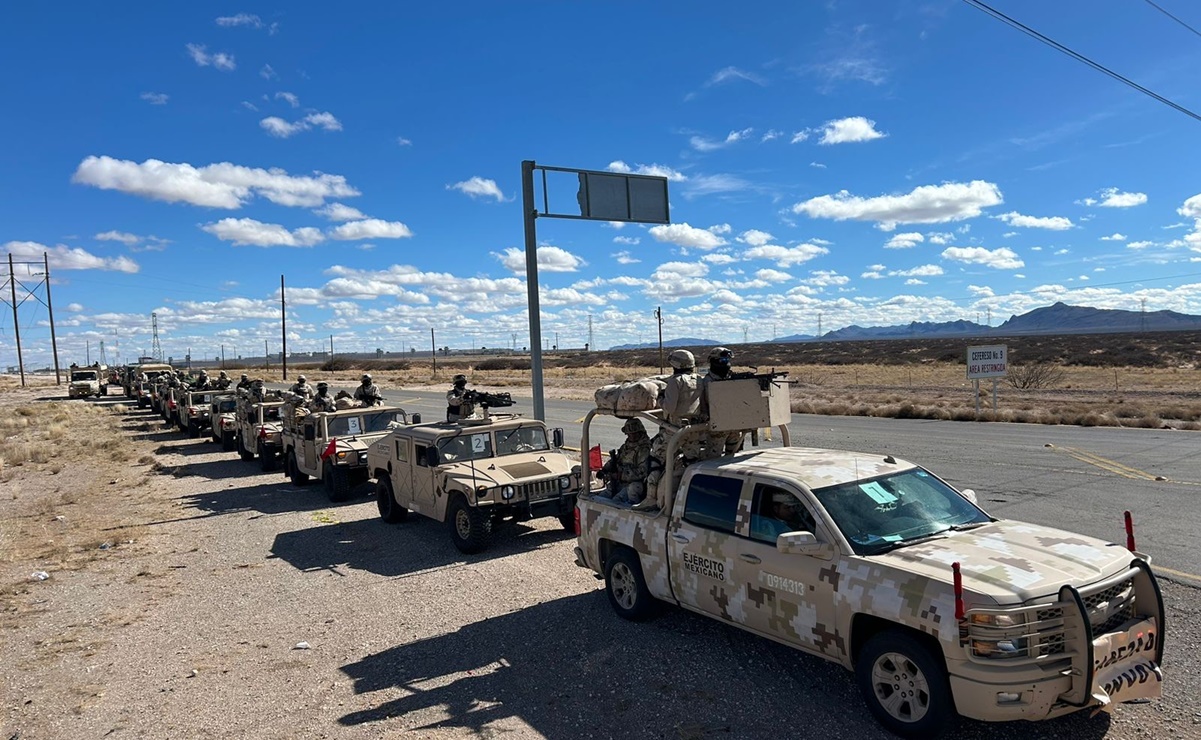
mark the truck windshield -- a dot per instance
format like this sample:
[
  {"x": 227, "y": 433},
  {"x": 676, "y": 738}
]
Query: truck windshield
[
  {"x": 380, "y": 421},
  {"x": 519, "y": 440},
  {"x": 465, "y": 447},
  {"x": 271, "y": 413},
  {"x": 85, "y": 375},
  {"x": 882, "y": 513},
  {"x": 227, "y": 405}
]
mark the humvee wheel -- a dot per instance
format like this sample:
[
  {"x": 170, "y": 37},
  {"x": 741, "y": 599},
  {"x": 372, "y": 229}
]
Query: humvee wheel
[
  {"x": 229, "y": 441},
  {"x": 293, "y": 471},
  {"x": 244, "y": 453},
  {"x": 470, "y": 528},
  {"x": 337, "y": 485},
  {"x": 628, "y": 594},
  {"x": 390, "y": 511},
  {"x": 266, "y": 458},
  {"x": 905, "y": 687},
  {"x": 194, "y": 431}
]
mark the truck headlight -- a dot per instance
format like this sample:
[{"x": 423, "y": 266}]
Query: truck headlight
[
  {"x": 564, "y": 483},
  {"x": 1014, "y": 647},
  {"x": 507, "y": 492},
  {"x": 998, "y": 620}
]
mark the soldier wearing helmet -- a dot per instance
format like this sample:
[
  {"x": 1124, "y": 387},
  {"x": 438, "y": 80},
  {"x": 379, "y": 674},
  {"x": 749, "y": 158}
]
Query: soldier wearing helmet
[
  {"x": 202, "y": 381},
  {"x": 323, "y": 401},
  {"x": 679, "y": 403},
  {"x": 223, "y": 382},
  {"x": 258, "y": 391},
  {"x": 244, "y": 383},
  {"x": 367, "y": 394},
  {"x": 626, "y": 470},
  {"x": 718, "y": 443},
  {"x": 302, "y": 388},
  {"x": 459, "y": 404}
]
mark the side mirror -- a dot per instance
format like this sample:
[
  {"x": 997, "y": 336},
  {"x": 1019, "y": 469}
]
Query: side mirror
[
  {"x": 801, "y": 543},
  {"x": 431, "y": 457},
  {"x": 556, "y": 436},
  {"x": 416, "y": 418},
  {"x": 970, "y": 495}
]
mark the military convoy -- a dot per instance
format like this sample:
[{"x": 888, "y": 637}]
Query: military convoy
[
  {"x": 331, "y": 446},
  {"x": 877, "y": 564}
]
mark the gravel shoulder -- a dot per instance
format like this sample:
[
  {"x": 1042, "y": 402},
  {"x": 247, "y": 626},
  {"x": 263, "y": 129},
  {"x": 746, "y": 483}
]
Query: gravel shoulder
[{"x": 178, "y": 598}]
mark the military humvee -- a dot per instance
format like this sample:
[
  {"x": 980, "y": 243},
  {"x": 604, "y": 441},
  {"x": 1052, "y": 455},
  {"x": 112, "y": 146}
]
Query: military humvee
[
  {"x": 259, "y": 428},
  {"x": 331, "y": 446},
  {"x": 223, "y": 413},
  {"x": 194, "y": 411},
  {"x": 143, "y": 390},
  {"x": 877, "y": 564},
  {"x": 474, "y": 475}
]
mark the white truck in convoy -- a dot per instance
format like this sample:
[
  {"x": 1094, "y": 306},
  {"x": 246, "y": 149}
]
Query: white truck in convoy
[
  {"x": 877, "y": 564},
  {"x": 91, "y": 380}
]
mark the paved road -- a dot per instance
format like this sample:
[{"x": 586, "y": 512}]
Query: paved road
[{"x": 1077, "y": 478}]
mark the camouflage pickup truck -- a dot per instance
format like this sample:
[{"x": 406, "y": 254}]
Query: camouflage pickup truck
[
  {"x": 259, "y": 429},
  {"x": 331, "y": 446},
  {"x": 474, "y": 475},
  {"x": 877, "y": 564}
]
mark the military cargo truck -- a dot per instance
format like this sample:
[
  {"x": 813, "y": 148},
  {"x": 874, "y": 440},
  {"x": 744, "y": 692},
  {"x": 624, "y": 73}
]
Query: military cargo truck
[
  {"x": 474, "y": 475},
  {"x": 331, "y": 446},
  {"x": 223, "y": 412},
  {"x": 87, "y": 381},
  {"x": 879, "y": 565},
  {"x": 259, "y": 428}
]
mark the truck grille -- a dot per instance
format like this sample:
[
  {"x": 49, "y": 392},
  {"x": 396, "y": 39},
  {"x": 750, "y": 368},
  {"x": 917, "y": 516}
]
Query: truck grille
[
  {"x": 1110, "y": 608},
  {"x": 539, "y": 490}
]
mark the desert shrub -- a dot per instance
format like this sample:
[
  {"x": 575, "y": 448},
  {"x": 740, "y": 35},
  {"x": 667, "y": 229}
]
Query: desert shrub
[
  {"x": 1034, "y": 375},
  {"x": 503, "y": 363},
  {"x": 337, "y": 364},
  {"x": 392, "y": 365}
]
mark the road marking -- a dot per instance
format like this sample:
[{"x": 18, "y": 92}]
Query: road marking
[
  {"x": 1106, "y": 464},
  {"x": 1177, "y": 573},
  {"x": 579, "y": 420}
]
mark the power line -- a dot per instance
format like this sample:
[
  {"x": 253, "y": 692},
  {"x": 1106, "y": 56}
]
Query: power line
[
  {"x": 1078, "y": 57},
  {"x": 1161, "y": 10}
]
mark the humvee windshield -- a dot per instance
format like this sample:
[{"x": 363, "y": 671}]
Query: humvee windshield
[
  {"x": 883, "y": 513},
  {"x": 271, "y": 413},
  {"x": 521, "y": 439},
  {"x": 84, "y": 375},
  {"x": 225, "y": 405},
  {"x": 368, "y": 423},
  {"x": 465, "y": 447}
]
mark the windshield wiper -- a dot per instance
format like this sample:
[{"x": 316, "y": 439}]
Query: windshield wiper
[
  {"x": 969, "y": 525},
  {"x": 890, "y": 546}
]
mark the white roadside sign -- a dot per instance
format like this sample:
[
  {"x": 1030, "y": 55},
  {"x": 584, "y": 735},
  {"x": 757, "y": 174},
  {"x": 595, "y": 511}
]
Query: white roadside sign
[{"x": 987, "y": 362}]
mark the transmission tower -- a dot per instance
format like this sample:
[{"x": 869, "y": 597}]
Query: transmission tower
[
  {"x": 156, "y": 349},
  {"x": 590, "y": 340},
  {"x": 1142, "y": 319},
  {"x": 103, "y": 359}
]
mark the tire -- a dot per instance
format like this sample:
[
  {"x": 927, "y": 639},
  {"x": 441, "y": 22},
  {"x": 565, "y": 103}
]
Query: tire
[
  {"x": 193, "y": 431},
  {"x": 337, "y": 484},
  {"x": 267, "y": 458},
  {"x": 567, "y": 521},
  {"x": 141, "y": 404},
  {"x": 244, "y": 453},
  {"x": 470, "y": 528},
  {"x": 628, "y": 594},
  {"x": 297, "y": 477},
  {"x": 229, "y": 441},
  {"x": 904, "y": 685},
  {"x": 389, "y": 510}
]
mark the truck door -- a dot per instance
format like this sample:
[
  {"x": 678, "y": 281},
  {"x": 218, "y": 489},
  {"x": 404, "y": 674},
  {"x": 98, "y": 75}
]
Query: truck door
[
  {"x": 790, "y": 597},
  {"x": 702, "y": 548},
  {"x": 421, "y": 485},
  {"x": 310, "y": 447}
]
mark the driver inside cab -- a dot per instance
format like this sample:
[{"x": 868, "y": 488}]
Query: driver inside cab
[{"x": 779, "y": 512}]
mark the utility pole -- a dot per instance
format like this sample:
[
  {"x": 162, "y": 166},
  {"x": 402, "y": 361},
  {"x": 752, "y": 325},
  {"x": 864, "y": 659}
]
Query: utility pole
[
  {"x": 283, "y": 322},
  {"x": 331, "y": 346},
  {"x": 223, "y": 357},
  {"x": 745, "y": 333},
  {"x": 12, "y": 283},
  {"x": 1142, "y": 319},
  {"x": 989, "y": 310},
  {"x": 659, "y": 319},
  {"x": 819, "y": 325},
  {"x": 433, "y": 352},
  {"x": 591, "y": 345},
  {"x": 266, "y": 356},
  {"x": 87, "y": 349},
  {"x": 50, "y": 308}
]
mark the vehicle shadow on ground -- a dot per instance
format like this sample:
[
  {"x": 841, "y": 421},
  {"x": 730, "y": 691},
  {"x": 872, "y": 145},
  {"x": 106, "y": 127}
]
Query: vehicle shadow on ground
[
  {"x": 396, "y": 550},
  {"x": 274, "y": 495},
  {"x": 570, "y": 668},
  {"x": 196, "y": 446}
]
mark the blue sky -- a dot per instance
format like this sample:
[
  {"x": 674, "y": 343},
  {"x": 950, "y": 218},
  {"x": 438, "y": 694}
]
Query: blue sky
[{"x": 869, "y": 163}]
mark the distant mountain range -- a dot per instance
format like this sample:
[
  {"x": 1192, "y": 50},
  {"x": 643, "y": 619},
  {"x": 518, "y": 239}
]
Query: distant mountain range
[{"x": 1057, "y": 319}]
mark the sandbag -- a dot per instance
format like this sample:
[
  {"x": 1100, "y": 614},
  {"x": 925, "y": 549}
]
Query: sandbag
[{"x": 634, "y": 395}]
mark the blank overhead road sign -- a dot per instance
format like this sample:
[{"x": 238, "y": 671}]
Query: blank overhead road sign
[{"x": 602, "y": 196}]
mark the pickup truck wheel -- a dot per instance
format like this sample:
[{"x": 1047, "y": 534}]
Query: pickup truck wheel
[
  {"x": 298, "y": 477},
  {"x": 905, "y": 687},
  {"x": 337, "y": 485},
  {"x": 628, "y": 594},
  {"x": 470, "y": 528},
  {"x": 266, "y": 458},
  {"x": 229, "y": 441},
  {"x": 244, "y": 453},
  {"x": 390, "y": 511}
]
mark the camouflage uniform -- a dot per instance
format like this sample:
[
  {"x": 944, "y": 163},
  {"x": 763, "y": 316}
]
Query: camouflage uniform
[
  {"x": 368, "y": 393},
  {"x": 201, "y": 382},
  {"x": 323, "y": 401},
  {"x": 626, "y": 472},
  {"x": 717, "y": 443},
  {"x": 258, "y": 393},
  {"x": 302, "y": 388},
  {"x": 223, "y": 382},
  {"x": 244, "y": 383},
  {"x": 457, "y": 405}
]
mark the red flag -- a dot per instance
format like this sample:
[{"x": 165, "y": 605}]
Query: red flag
[
  {"x": 331, "y": 449},
  {"x": 595, "y": 462}
]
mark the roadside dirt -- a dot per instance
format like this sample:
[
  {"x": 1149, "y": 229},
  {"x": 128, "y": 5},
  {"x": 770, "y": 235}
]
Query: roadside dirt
[{"x": 190, "y": 595}]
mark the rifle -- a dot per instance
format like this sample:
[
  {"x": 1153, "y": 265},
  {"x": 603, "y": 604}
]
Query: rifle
[
  {"x": 485, "y": 399},
  {"x": 765, "y": 379}
]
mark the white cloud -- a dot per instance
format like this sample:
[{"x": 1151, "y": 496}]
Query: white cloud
[
  {"x": 1114, "y": 237},
  {"x": 915, "y": 281},
  {"x": 905, "y": 240},
  {"x": 268, "y": 73},
  {"x": 981, "y": 291},
  {"x": 926, "y": 204},
  {"x": 220, "y": 60},
  {"x": 62, "y": 257},
  {"x": 241, "y": 19},
  {"x": 771, "y": 134},
  {"x": 340, "y": 212},
  {"x": 923, "y": 271},
  {"x": 718, "y": 258},
  {"x": 221, "y": 185},
  {"x": 655, "y": 170},
  {"x": 681, "y": 269},
  {"x": 719, "y": 183},
  {"x": 849, "y": 130},
  {"x": 729, "y": 74},
  {"x": 799, "y": 136},
  {"x": 785, "y": 256},
  {"x": 370, "y": 228},
  {"x": 720, "y": 229},
  {"x": 825, "y": 279},
  {"x": 1140, "y": 245},
  {"x": 1191, "y": 208},
  {"x": 684, "y": 235},
  {"x": 998, "y": 259},
  {"x": 249, "y": 232},
  {"x": 550, "y": 259},
  {"x": 402, "y": 141},
  {"x": 754, "y": 237},
  {"x": 250, "y": 106},
  {"x": 478, "y": 187},
  {"x": 291, "y": 98},
  {"x": 703, "y": 144},
  {"x": 280, "y": 128},
  {"x": 74, "y": 307},
  {"x": 817, "y": 165},
  {"x": 118, "y": 236},
  {"x": 1062, "y": 251},
  {"x": 155, "y": 98},
  {"x": 772, "y": 276},
  {"x": 1054, "y": 223},
  {"x": 1114, "y": 198},
  {"x": 625, "y": 258},
  {"x": 631, "y": 240},
  {"x": 1006, "y": 235},
  {"x": 873, "y": 273}
]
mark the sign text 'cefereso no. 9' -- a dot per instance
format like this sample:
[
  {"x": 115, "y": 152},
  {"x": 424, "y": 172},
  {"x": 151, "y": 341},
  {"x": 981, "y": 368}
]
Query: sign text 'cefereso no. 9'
[{"x": 991, "y": 361}]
